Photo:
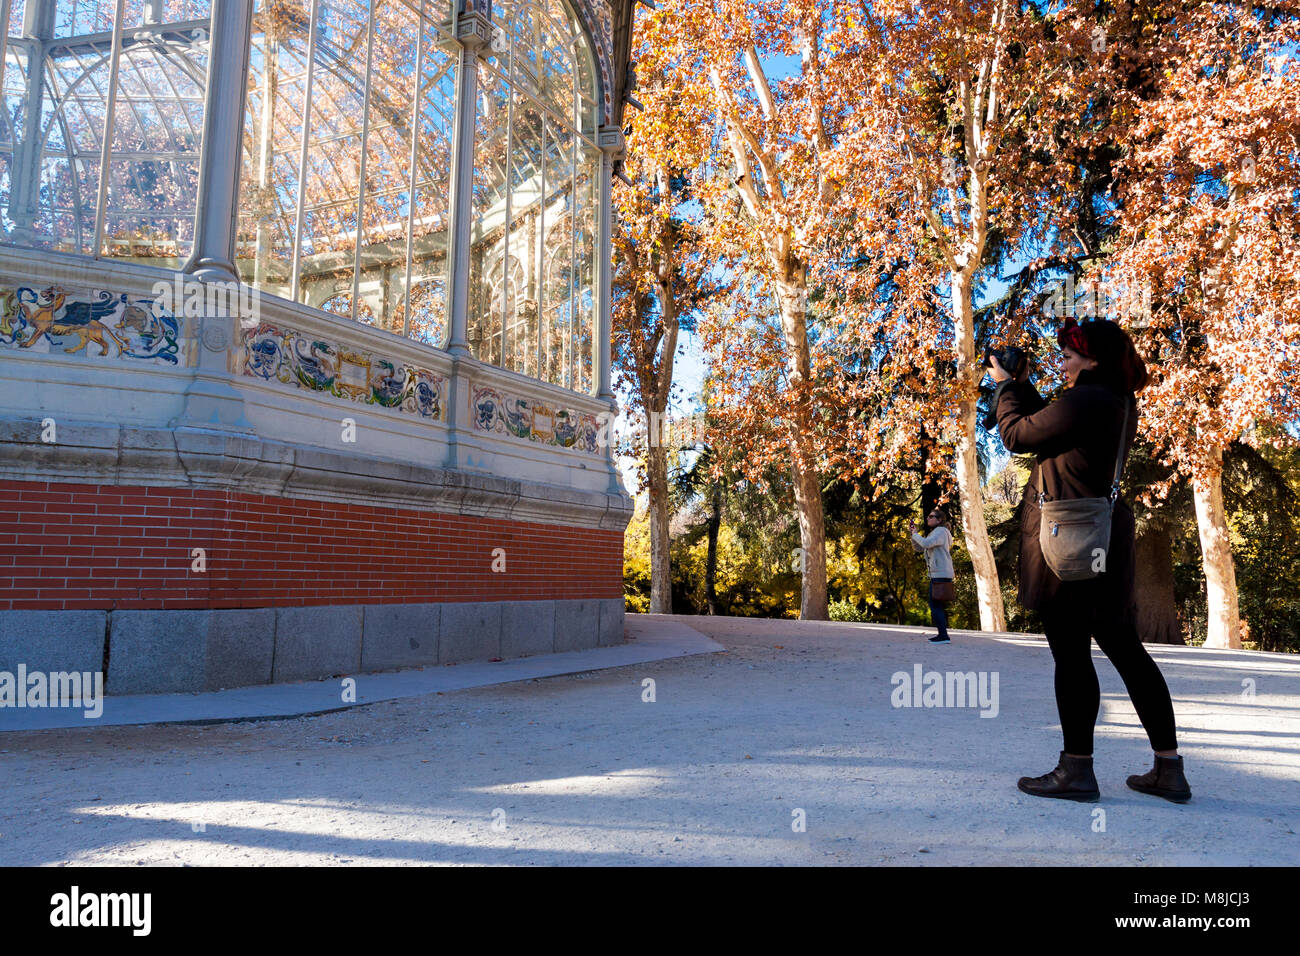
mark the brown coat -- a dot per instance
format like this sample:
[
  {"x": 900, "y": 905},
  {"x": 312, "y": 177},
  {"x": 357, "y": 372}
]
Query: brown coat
[{"x": 1074, "y": 440}]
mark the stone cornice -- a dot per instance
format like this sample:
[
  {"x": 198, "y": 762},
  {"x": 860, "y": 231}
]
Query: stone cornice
[{"x": 247, "y": 464}]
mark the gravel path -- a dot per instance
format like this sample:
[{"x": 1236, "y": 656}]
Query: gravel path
[{"x": 793, "y": 722}]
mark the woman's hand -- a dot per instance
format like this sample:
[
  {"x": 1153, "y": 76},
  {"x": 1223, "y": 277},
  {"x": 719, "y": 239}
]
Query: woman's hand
[
  {"x": 912, "y": 527},
  {"x": 1000, "y": 374}
]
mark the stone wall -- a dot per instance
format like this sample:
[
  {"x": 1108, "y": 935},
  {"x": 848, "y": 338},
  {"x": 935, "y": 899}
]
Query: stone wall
[
  {"x": 175, "y": 651},
  {"x": 347, "y": 490}
]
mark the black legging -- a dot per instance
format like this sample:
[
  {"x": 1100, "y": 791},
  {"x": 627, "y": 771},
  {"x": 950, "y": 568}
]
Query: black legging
[{"x": 1069, "y": 623}]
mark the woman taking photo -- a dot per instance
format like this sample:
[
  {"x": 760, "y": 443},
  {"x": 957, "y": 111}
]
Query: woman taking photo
[
  {"x": 937, "y": 545},
  {"x": 1076, "y": 440}
]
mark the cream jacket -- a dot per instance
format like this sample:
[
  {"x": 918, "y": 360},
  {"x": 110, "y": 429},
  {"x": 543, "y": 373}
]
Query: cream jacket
[{"x": 937, "y": 547}]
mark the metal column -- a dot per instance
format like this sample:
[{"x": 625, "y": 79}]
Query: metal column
[{"x": 223, "y": 126}]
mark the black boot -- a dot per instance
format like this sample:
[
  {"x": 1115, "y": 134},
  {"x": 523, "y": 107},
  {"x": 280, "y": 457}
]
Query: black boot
[
  {"x": 1072, "y": 779},
  {"x": 1165, "y": 779}
]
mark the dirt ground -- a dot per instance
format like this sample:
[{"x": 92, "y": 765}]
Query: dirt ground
[{"x": 785, "y": 749}]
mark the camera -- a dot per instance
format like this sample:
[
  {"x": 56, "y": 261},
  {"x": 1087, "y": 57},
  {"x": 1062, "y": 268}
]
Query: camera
[{"x": 1010, "y": 357}]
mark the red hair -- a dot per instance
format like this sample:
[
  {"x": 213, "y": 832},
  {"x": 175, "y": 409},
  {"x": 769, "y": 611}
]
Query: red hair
[{"x": 1110, "y": 347}]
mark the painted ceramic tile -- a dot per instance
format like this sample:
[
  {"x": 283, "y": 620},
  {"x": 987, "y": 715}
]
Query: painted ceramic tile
[
  {"x": 292, "y": 358},
  {"x": 96, "y": 323},
  {"x": 495, "y": 411}
]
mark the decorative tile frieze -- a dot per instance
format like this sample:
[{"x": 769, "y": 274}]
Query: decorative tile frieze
[
  {"x": 500, "y": 412},
  {"x": 96, "y": 323},
  {"x": 277, "y": 354}
]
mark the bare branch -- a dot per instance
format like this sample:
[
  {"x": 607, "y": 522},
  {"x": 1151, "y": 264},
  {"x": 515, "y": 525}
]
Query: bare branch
[
  {"x": 811, "y": 56},
  {"x": 759, "y": 79},
  {"x": 923, "y": 198},
  {"x": 736, "y": 125}
]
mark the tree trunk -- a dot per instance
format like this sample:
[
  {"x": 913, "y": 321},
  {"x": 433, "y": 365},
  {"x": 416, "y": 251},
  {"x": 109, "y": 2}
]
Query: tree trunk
[
  {"x": 654, "y": 397},
  {"x": 813, "y": 604},
  {"x": 807, "y": 485},
  {"x": 1157, "y": 620},
  {"x": 896, "y": 594},
  {"x": 992, "y": 612},
  {"x": 661, "y": 578},
  {"x": 711, "y": 559},
  {"x": 1223, "y": 619}
]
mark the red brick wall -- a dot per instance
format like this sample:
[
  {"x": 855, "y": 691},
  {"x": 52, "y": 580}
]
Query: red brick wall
[{"x": 69, "y": 546}]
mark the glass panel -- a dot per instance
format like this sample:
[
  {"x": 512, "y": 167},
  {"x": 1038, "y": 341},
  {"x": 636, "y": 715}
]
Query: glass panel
[
  {"x": 269, "y": 174},
  {"x": 584, "y": 268},
  {"x": 557, "y": 292},
  {"x": 490, "y": 195},
  {"x": 387, "y": 197},
  {"x": 332, "y": 183},
  {"x": 554, "y": 44},
  {"x": 526, "y": 159},
  {"x": 543, "y": 43},
  {"x": 16, "y": 10},
  {"x": 533, "y": 301},
  {"x": 428, "y": 310},
  {"x": 75, "y": 18},
  {"x": 434, "y": 123},
  {"x": 334, "y": 85},
  {"x": 52, "y": 131},
  {"x": 157, "y": 130}
]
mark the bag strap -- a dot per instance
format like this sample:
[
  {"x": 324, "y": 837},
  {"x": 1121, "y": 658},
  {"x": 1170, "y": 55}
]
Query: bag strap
[{"x": 1121, "y": 458}]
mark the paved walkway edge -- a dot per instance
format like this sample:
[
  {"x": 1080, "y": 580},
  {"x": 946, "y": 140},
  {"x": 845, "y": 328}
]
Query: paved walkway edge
[{"x": 648, "y": 639}]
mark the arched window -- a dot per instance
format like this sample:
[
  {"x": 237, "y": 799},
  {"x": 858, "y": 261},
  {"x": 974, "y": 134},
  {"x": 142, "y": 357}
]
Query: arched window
[
  {"x": 340, "y": 304},
  {"x": 347, "y": 149},
  {"x": 534, "y": 158},
  {"x": 498, "y": 325}
]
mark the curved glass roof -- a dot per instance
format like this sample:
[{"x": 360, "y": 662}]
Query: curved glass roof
[{"x": 158, "y": 114}]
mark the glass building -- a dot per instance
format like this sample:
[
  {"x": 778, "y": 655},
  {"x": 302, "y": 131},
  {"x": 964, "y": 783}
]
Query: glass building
[{"x": 313, "y": 274}]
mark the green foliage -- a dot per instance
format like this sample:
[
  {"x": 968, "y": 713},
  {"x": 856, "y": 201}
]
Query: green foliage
[
  {"x": 1262, "y": 489},
  {"x": 844, "y": 611},
  {"x": 636, "y": 563},
  {"x": 1268, "y": 570},
  {"x": 1189, "y": 594}
]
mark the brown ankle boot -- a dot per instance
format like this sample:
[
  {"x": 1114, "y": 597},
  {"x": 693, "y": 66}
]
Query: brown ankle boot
[
  {"x": 1072, "y": 779},
  {"x": 1165, "y": 779}
]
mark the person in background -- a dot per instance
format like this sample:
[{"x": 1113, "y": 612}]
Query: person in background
[{"x": 937, "y": 545}]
